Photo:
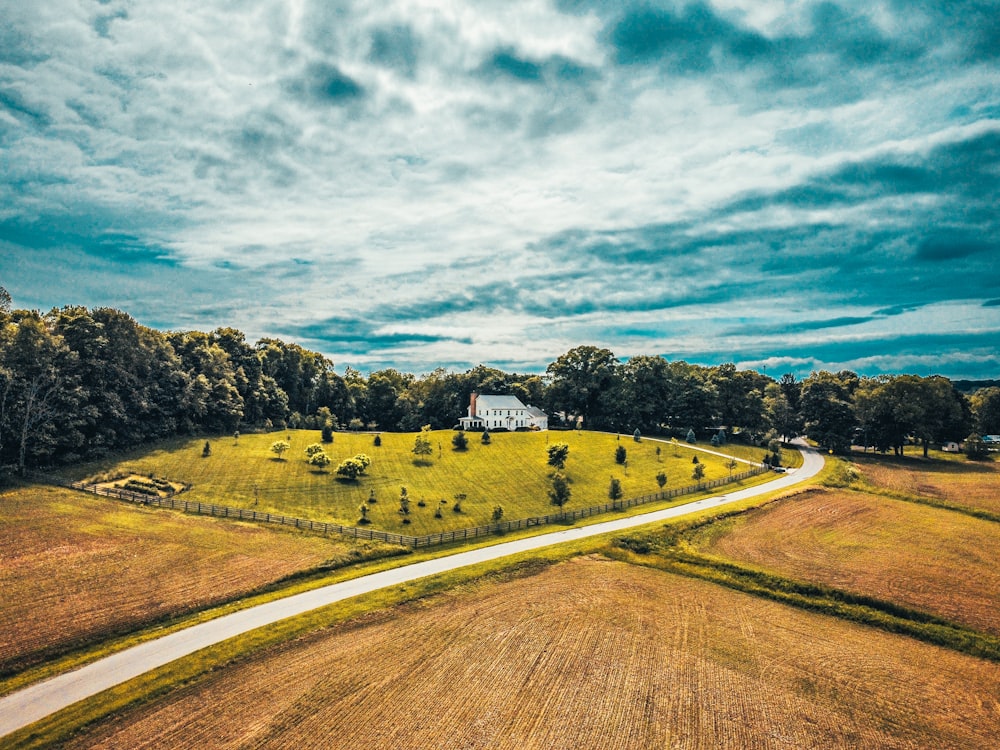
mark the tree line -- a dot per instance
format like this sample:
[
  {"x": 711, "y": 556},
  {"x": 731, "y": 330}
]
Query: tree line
[{"x": 78, "y": 383}]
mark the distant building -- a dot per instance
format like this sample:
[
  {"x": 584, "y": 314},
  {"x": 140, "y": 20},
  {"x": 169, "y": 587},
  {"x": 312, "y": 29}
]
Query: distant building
[
  {"x": 502, "y": 413},
  {"x": 950, "y": 447}
]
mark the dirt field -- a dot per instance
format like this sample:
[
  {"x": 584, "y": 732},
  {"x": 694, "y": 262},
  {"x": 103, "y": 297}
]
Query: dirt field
[
  {"x": 586, "y": 654},
  {"x": 934, "y": 560},
  {"x": 965, "y": 483},
  {"x": 74, "y": 567}
]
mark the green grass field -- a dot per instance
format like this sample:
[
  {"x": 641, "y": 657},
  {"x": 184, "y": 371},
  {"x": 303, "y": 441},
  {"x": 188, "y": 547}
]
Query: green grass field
[{"x": 511, "y": 472}]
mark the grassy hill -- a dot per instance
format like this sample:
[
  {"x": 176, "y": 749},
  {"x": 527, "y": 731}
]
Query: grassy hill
[{"x": 511, "y": 472}]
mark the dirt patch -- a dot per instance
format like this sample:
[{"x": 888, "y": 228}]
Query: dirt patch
[
  {"x": 587, "y": 654},
  {"x": 966, "y": 484}
]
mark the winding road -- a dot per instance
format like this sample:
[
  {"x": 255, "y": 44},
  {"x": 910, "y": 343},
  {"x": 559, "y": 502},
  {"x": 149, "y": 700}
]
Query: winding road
[{"x": 37, "y": 701}]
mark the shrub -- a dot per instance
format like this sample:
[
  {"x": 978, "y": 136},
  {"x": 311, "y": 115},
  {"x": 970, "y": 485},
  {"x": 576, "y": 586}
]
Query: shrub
[
  {"x": 614, "y": 489},
  {"x": 280, "y": 446},
  {"x": 698, "y": 473},
  {"x": 637, "y": 436},
  {"x": 485, "y": 439},
  {"x": 621, "y": 455},
  {"x": 691, "y": 438},
  {"x": 326, "y": 434},
  {"x": 320, "y": 460},
  {"x": 350, "y": 468},
  {"x": 661, "y": 479},
  {"x": 459, "y": 442},
  {"x": 312, "y": 450},
  {"x": 377, "y": 441},
  {"x": 497, "y": 513},
  {"x": 975, "y": 447},
  {"x": 207, "y": 450}
]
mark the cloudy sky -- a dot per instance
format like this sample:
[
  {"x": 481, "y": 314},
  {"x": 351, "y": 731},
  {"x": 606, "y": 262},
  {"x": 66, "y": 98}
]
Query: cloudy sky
[{"x": 785, "y": 184}]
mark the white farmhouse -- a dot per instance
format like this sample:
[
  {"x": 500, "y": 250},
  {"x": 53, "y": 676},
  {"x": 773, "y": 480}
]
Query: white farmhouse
[{"x": 502, "y": 412}]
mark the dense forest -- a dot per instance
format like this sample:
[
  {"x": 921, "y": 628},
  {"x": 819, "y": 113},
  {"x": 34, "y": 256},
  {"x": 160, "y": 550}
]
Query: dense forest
[{"x": 78, "y": 383}]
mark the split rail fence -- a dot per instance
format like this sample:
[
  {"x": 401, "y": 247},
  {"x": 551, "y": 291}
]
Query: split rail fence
[{"x": 428, "y": 540}]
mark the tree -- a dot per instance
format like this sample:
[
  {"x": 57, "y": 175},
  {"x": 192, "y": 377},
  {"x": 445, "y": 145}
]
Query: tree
[
  {"x": 320, "y": 460},
  {"x": 581, "y": 378},
  {"x": 364, "y": 461},
  {"x": 731, "y": 465},
  {"x": 459, "y": 499},
  {"x": 661, "y": 479},
  {"x": 485, "y": 439},
  {"x": 363, "y": 509},
  {"x": 621, "y": 455},
  {"x": 312, "y": 450},
  {"x": 637, "y": 436},
  {"x": 691, "y": 437},
  {"x": 422, "y": 444},
  {"x": 278, "y": 447},
  {"x": 207, "y": 450},
  {"x": 404, "y": 504},
  {"x": 560, "y": 492},
  {"x": 326, "y": 434},
  {"x": 975, "y": 447},
  {"x": 377, "y": 442},
  {"x": 986, "y": 408},
  {"x": 827, "y": 409},
  {"x": 558, "y": 453},
  {"x": 350, "y": 468},
  {"x": 497, "y": 513},
  {"x": 459, "y": 442},
  {"x": 698, "y": 473},
  {"x": 614, "y": 489}
]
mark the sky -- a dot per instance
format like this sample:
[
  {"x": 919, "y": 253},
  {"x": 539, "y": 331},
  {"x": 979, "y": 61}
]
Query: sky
[{"x": 790, "y": 186}]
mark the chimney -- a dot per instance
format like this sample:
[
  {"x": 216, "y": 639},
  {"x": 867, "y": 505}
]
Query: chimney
[{"x": 472, "y": 404}]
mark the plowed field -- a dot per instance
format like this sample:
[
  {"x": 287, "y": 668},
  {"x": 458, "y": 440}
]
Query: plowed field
[
  {"x": 74, "y": 567},
  {"x": 969, "y": 484},
  {"x": 933, "y": 560},
  {"x": 586, "y": 654}
]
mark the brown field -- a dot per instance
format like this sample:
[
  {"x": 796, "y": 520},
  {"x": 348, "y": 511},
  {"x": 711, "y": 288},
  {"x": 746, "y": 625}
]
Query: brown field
[
  {"x": 965, "y": 483},
  {"x": 585, "y": 654},
  {"x": 926, "y": 558},
  {"x": 74, "y": 567}
]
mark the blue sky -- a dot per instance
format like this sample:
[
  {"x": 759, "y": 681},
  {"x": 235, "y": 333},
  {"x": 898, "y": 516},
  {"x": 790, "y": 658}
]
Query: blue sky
[{"x": 781, "y": 184}]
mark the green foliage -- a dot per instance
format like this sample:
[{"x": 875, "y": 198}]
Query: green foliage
[
  {"x": 485, "y": 439},
  {"x": 459, "y": 499},
  {"x": 459, "y": 442},
  {"x": 313, "y": 449},
  {"x": 558, "y": 453},
  {"x": 350, "y": 468},
  {"x": 326, "y": 434},
  {"x": 278, "y": 447},
  {"x": 661, "y": 479},
  {"x": 377, "y": 441},
  {"x": 637, "y": 435},
  {"x": 560, "y": 492},
  {"x": 207, "y": 450},
  {"x": 356, "y": 424},
  {"x": 698, "y": 473},
  {"x": 422, "y": 445},
  {"x": 497, "y": 515},
  {"x": 621, "y": 455},
  {"x": 614, "y": 489},
  {"x": 363, "y": 509},
  {"x": 320, "y": 460},
  {"x": 976, "y": 448},
  {"x": 691, "y": 437}
]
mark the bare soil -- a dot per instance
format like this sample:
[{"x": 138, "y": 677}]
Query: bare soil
[
  {"x": 586, "y": 654},
  {"x": 971, "y": 484},
  {"x": 74, "y": 568}
]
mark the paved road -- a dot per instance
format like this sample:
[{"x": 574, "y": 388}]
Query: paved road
[{"x": 27, "y": 706}]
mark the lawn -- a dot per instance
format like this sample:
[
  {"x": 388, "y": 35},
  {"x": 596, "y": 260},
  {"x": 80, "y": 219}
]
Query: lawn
[
  {"x": 510, "y": 472},
  {"x": 584, "y": 654},
  {"x": 76, "y": 569}
]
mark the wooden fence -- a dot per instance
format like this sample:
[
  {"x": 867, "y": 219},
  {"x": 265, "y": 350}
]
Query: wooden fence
[{"x": 429, "y": 540}]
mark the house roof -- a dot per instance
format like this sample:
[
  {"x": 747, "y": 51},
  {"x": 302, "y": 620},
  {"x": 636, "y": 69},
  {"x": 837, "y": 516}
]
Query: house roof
[
  {"x": 498, "y": 402},
  {"x": 534, "y": 411}
]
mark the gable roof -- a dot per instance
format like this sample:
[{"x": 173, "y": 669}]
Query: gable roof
[{"x": 498, "y": 402}]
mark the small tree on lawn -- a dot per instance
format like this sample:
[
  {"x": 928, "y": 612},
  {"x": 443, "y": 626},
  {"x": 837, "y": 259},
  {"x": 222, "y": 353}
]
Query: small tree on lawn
[
  {"x": 350, "y": 468},
  {"x": 280, "y": 446},
  {"x": 404, "y": 504},
  {"x": 459, "y": 499},
  {"x": 422, "y": 444},
  {"x": 312, "y": 450},
  {"x": 326, "y": 434},
  {"x": 731, "y": 465},
  {"x": 207, "y": 450},
  {"x": 614, "y": 489},
  {"x": 637, "y": 436},
  {"x": 364, "y": 460},
  {"x": 320, "y": 460},
  {"x": 721, "y": 434},
  {"x": 661, "y": 479},
  {"x": 691, "y": 437},
  {"x": 459, "y": 442},
  {"x": 560, "y": 492},
  {"x": 714, "y": 441},
  {"x": 774, "y": 446},
  {"x": 356, "y": 425},
  {"x": 558, "y": 453},
  {"x": 698, "y": 473},
  {"x": 363, "y": 508},
  {"x": 621, "y": 455},
  {"x": 377, "y": 441},
  {"x": 485, "y": 439},
  {"x": 371, "y": 497},
  {"x": 658, "y": 451},
  {"x": 497, "y": 513}
]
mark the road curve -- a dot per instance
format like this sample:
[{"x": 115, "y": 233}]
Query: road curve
[{"x": 37, "y": 701}]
